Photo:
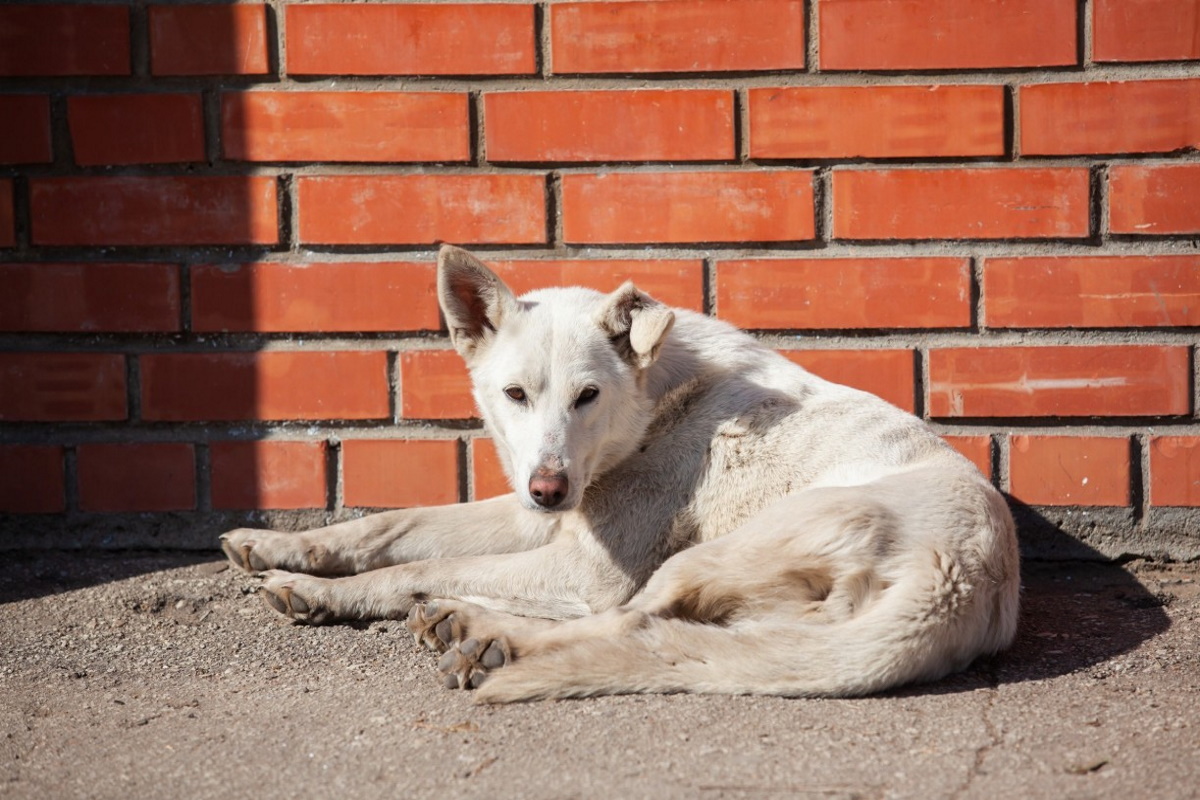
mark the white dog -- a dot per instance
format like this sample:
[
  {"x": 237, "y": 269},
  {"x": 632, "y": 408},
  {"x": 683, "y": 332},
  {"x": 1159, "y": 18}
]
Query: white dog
[{"x": 703, "y": 514}]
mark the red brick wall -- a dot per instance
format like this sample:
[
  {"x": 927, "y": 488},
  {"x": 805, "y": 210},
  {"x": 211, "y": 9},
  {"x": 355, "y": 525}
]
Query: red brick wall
[{"x": 217, "y": 226}]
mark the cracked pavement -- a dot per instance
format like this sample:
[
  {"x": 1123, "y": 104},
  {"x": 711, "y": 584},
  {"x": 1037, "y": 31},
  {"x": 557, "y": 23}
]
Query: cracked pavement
[{"x": 148, "y": 675}]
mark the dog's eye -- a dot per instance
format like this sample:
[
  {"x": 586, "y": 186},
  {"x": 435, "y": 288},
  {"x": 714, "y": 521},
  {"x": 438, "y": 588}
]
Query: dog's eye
[
  {"x": 586, "y": 396},
  {"x": 516, "y": 394}
]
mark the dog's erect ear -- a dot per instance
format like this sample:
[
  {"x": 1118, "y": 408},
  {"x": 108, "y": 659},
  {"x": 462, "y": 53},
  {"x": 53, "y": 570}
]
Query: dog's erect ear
[
  {"x": 637, "y": 324},
  {"x": 472, "y": 298}
]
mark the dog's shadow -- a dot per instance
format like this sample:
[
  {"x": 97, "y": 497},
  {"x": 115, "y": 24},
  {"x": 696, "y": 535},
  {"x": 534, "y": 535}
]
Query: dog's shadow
[{"x": 1077, "y": 614}]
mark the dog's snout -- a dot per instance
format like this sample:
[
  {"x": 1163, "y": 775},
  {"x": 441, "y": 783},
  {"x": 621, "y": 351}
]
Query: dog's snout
[{"x": 548, "y": 489}]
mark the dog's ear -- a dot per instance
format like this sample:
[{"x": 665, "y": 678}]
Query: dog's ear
[
  {"x": 473, "y": 299},
  {"x": 636, "y": 323}
]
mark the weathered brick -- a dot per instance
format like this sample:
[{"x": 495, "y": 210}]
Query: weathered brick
[
  {"x": 1092, "y": 292},
  {"x": 62, "y": 387},
  {"x": 83, "y": 297},
  {"x": 32, "y": 479},
  {"x": 638, "y": 125},
  {"x": 25, "y": 134},
  {"x": 1114, "y": 117},
  {"x": 434, "y": 385},
  {"x": 1175, "y": 471},
  {"x": 129, "y": 210},
  {"x": 208, "y": 39},
  {"x": 392, "y": 473},
  {"x": 1070, "y": 470},
  {"x": 984, "y": 203},
  {"x": 677, "y": 36},
  {"x": 268, "y": 474},
  {"x": 345, "y": 126},
  {"x": 136, "y": 128},
  {"x": 337, "y": 297},
  {"x": 845, "y": 293},
  {"x": 422, "y": 209},
  {"x": 876, "y": 121},
  {"x": 411, "y": 39},
  {"x": 275, "y": 385},
  {"x": 1154, "y": 198},
  {"x": 889, "y": 374},
  {"x": 64, "y": 39},
  {"x": 488, "y": 478},
  {"x": 8, "y": 224},
  {"x": 1145, "y": 30},
  {"x": 945, "y": 34},
  {"x": 158, "y": 476},
  {"x": 1059, "y": 381},
  {"x": 670, "y": 207}
]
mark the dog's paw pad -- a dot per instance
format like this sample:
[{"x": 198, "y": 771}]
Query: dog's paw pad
[
  {"x": 466, "y": 665},
  {"x": 433, "y": 626}
]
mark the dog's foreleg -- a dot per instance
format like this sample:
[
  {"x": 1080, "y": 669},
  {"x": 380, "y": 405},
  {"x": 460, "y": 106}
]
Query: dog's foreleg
[
  {"x": 560, "y": 580},
  {"x": 499, "y": 525}
]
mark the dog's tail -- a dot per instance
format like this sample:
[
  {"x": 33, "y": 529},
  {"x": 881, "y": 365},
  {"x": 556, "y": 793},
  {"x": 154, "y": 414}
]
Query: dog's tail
[{"x": 905, "y": 636}]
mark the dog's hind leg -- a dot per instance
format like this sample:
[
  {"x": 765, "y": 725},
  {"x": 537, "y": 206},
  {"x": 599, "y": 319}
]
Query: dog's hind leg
[{"x": 499, "y": 525}]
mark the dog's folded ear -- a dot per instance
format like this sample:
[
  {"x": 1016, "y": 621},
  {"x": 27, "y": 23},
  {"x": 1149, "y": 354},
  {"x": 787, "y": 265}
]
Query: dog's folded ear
[
  {"x": 473, "y": 299},
  {"x": 636, "y": 323}
]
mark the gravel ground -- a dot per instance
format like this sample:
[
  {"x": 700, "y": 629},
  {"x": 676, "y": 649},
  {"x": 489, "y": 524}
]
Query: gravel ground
[{"x": 150, "y": 675}]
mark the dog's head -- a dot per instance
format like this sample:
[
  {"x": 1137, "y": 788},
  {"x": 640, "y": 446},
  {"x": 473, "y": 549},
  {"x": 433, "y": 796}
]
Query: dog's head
[{"x": 558, "y": 374}]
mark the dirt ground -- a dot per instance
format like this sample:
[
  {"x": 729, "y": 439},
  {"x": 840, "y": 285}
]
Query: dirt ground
[{"x": 150, "y": 675}]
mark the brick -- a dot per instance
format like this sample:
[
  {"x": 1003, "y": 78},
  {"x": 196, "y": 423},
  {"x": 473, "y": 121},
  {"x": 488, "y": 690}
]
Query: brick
[
  {"x": 845, "y": 293},
  {"x": 1058, "y": 381},
  {"x": 411, "y": 39},
  {"x": 434, "y": 385},
  {"x": 277, "y": 385},
  {"x": 64, "y": 39},
  {"x": 345, "y": 126},
  {"x": 488, "y": 478},
  {"x": 1070, "y": 470},
  {"x": 677, "y": 36},
  {"x": 877, "y": 122},
  {"x": 1092, "y": 292},
  {"x": 675, "y": 282},
  {"x": 62, "y": 387},
  {"x": 638, "y": 125},
  {"x": 25, "y": 134},
  {"x": 97, "y": 297},
  {"x": 1158, "y": 199},
  {"x": 341, "y": 297},
  {"x": 1175, "y": 471},
  {"x": 136, "y": 128},
  {"x": 422, "y": 209},
  {"x": 1145, "y": 30},
  {"x": 32, "y": 479},
  {"x": 8, "y": 225},
  {"x": 946, "y": 34},
  {"x": 159, "y": 476},
  {"x": 154, "y": 210},
  {"x": 208, "y": 39},
  {"x": 670, "y": 207},
  {"x": 988, "y": 203},
  {"x": 385, "y": 473},
  {"x": 268, "y": 474},
  {"x": 1116, "y": 117},
  {"x": 889, "y": 374},
  {"x": 977, "y": 449}
]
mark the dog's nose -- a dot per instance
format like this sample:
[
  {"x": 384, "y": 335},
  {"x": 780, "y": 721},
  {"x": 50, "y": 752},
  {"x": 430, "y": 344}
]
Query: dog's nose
[{"x": 548, "y": 490}]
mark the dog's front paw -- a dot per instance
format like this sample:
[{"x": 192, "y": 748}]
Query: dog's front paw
[
  {"x": 299, "y": 597},
  {"x": 240, "y": 545}
]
